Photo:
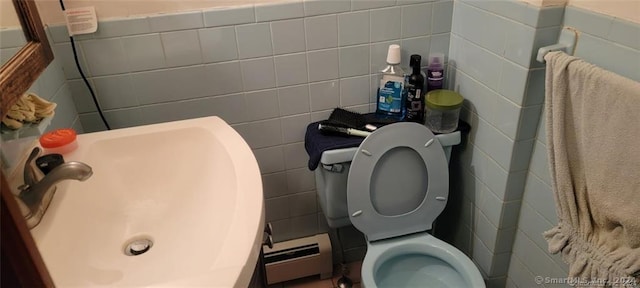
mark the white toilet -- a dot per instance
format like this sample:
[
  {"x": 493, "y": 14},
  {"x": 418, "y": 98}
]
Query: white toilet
[{"x": 397, "y": 184}]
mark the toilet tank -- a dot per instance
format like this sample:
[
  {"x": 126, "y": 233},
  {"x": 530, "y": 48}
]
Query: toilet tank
[{"x": 332, "y": 174}]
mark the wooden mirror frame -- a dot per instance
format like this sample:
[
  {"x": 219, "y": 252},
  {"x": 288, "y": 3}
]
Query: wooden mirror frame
[
  {"x": 22, "y": 264},
  {"x": 17, "y": 75}
]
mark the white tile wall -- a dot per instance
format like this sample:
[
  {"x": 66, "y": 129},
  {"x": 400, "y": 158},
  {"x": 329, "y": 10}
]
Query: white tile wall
[
  {"x": 440, "y": 20},
  {"x": 321, "y": 32},
  {"x": 513, "y": 82},
  {"x": 105, "y": 56},
  {"x": 181, "y": 48},
  {"x": 277, "y": 208},
  {"x": 294, "y": 128},
  {"x": 535, "y": 258},
  {"x": 515, "y": 185},
  {"x": 288, "y": 36},
  {"x": 497, "y": 179},
  {"x": 304, "y": 225},
  {"x": 258, "y": 73},
  {"x": 320, "y": 7},
  {"x": 122, "y": 117},
  {"x": 278, "y": 11},
  {"x": 218, "y": 44},
  {"x": 63, "y": 53},
  {"x": 538, "y": 194},
  {"x": 365, "y": 4},
  {"x": 274, "y": 184},
  {"x": 115, "y": 91},
  {"x": 229, "y": 16},
  {"x": 588, "y": 22},
  {"x": 262, "y": 133},
  {"x": 231, "y": 108},
  {"x": 323, "y": 64},
  {"x": 414, "y": 22},
  {"x": 303, "y": 204},
  {"x": 354, "y": 61},
  {"x": 144, "y": 52},
  {"x": 291, "y": 69},
  {"x": 300, "y": 180},
  {"x": 479, "y": 98},
  {"x": 65, "y": 111},
  {"x": 476, "y": 61},
  {"x": 295, "y": 156},
  {"x": 50, "y": 81},
  {"x": 122, "y": 27},
  {"x": 353, "y": 28},
  {"x": 440, "y": 43},
  {"x": 354, "y": 91},
  {"x": 529, "y": 119},
  {"x": 178, "y": 21},
  {"x": 521, "y": 154},
  {"x": 171, "y": 84},
  {"x": 490, "y": 65},
  {"x": 507, "y": 118},
  {"x": 417, "y": 45},
  {"x": 491, "y": 35},
  {"x": 7, "y": 53},
  {"x": 539, "y": 165},
  {"x": 12, "y": 38},
  {"x": 293, "y": 100},
  {"x": 78, "y": 89},
  {"x": 519, "y": 47},
  {"x": 385, "y": 24},
  {"x": 254, "y": 40},
  {"x": 262, "y": 105},
  {"x": 270, "y": 159},
  {"x": 619, "y": 56}
]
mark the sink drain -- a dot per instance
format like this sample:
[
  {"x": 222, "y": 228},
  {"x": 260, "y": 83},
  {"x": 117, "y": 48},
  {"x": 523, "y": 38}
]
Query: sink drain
[{"x": 138, "y": 246}]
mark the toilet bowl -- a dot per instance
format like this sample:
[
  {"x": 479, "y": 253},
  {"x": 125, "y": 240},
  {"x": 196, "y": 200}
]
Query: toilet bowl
[
  {"x": 417, "y": 260},
  {"x": 397, "y": 184}
]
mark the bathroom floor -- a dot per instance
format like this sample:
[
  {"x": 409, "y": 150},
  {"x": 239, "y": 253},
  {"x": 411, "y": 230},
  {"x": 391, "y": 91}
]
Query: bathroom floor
[{"x": 316, "y": 282}]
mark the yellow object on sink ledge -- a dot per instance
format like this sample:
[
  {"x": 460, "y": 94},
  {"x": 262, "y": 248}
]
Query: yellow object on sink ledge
[{"x": 29, "y": 108}]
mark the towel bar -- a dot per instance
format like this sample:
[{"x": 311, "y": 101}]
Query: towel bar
[{"x": 566, "y": 42}]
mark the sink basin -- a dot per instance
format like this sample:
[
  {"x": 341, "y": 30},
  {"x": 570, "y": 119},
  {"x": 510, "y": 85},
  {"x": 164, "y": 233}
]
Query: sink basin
[{"x": 191, "y": 188}]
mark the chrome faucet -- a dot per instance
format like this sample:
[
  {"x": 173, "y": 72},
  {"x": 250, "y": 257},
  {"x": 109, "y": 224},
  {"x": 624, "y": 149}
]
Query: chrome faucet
[{"x": 36, "y": 194}]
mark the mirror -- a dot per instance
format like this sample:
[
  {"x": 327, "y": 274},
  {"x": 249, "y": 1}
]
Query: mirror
[
  {"x": 17, "y": 75},
  {"x": 22, "y": 264},
  {"x": 11, "y": 35}
]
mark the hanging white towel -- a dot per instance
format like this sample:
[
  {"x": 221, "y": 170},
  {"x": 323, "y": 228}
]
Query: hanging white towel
[{"x": 593, "y": 140}]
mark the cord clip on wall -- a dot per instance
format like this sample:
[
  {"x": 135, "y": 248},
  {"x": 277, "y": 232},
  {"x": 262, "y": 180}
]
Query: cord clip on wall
[{"x": 566, "y": 42}]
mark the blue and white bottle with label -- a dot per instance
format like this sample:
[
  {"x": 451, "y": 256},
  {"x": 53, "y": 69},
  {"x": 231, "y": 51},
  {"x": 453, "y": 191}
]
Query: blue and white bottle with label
[{"x": 391, "y": 91}]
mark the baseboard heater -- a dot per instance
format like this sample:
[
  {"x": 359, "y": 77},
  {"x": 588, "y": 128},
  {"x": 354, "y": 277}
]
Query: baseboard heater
[{"x": 299, "y": 258}]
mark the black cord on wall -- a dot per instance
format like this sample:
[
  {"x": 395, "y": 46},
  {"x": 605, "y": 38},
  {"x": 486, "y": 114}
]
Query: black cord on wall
[{"x": 84, "y": 78}]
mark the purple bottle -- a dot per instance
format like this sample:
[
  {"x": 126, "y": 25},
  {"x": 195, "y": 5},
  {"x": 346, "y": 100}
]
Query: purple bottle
[{"x": 435, "y": 71}]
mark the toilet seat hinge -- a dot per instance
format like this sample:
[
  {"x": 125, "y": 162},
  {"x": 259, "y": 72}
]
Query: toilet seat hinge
[
  {"x": 429, "y": 142},
  {"x": 335, "y": 168}
]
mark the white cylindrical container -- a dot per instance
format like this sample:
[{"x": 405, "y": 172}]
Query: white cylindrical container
[{"x": 443, "y": 110}]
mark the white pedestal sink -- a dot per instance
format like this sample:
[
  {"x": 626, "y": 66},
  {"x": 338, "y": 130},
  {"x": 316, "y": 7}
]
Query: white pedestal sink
[{"x": 193, "y": 188}]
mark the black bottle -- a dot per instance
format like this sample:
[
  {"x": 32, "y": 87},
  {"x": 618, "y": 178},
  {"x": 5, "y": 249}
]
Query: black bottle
[{"x": 415, "y": 90}]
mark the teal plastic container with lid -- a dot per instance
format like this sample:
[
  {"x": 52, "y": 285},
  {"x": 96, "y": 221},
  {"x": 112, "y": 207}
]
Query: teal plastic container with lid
[{"x": 443, "y": 110}]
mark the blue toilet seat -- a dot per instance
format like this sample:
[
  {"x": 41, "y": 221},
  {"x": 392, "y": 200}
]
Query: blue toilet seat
[{"x": 398, "y": 182}]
